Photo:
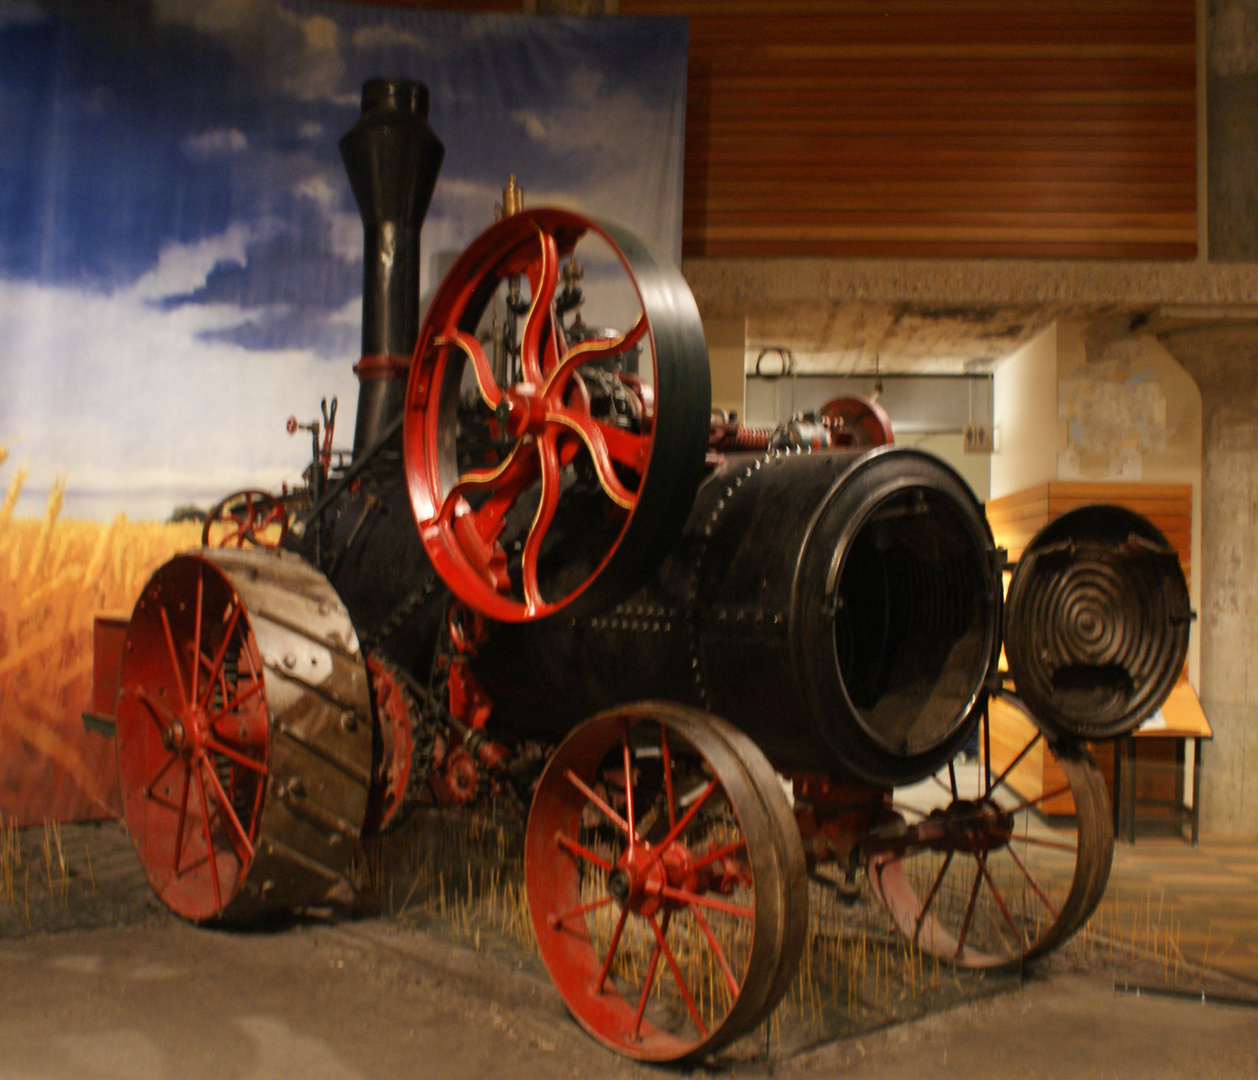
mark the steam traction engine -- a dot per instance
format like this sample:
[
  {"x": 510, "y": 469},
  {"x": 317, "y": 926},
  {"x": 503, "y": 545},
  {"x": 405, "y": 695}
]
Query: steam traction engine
[{"x": 715, "y": 659}]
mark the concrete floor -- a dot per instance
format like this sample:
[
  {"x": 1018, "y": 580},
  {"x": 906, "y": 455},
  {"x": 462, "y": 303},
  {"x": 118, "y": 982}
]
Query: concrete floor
[
  {"x": 368, "y": 1000},
  {"x": 91, "y": 999}
]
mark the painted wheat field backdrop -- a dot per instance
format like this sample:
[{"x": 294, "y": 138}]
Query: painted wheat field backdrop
[{"x": 55, "y": 576}]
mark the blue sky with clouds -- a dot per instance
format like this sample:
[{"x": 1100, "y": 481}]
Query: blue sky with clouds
[{"x": 180, "y": 254}]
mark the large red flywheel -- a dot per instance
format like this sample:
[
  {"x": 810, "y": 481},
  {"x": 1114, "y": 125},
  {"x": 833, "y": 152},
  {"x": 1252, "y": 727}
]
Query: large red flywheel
[{"x": 550, "y": 462}]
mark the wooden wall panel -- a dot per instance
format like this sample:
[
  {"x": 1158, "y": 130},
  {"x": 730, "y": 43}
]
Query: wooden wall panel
[
  {"x": 1017, "y": 517},
  {"x": 1036, "y": 128}
]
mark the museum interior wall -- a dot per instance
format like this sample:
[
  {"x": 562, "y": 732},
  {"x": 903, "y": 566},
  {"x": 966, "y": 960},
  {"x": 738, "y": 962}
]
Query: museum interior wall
[{"x": 1046, "y": 193}]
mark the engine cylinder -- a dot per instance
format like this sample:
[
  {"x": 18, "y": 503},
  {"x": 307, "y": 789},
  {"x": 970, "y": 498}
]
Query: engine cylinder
[{"x": 843, "y": 609}]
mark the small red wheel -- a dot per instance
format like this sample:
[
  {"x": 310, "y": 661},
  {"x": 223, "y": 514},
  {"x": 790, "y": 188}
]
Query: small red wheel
[
  {"x": 858, "y": 422},
  {"x": 550, "y": 471},
  {"x": 396, "y": 717},
  {"x": 977, "y": 876},
  {"x": 193, "y": 737},
  {"x": 668, "y": 899},
  {"x": 252, "y": 517}
]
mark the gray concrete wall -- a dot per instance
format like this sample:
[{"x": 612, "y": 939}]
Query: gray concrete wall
[
  {"x": 1222, "y": 360},
  {"x": 1232, "y": 129}
]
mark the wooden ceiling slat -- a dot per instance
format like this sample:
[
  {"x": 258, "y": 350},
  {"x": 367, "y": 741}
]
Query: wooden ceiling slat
[{"x": 851, "y": 128}]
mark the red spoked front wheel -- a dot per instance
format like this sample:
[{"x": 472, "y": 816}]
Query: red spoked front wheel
[
  {"x": 550, "y": 464},
  {"x": 665, "y": 880}
]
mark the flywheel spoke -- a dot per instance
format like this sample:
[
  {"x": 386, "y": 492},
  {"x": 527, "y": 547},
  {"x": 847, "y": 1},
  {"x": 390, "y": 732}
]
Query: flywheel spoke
[
  {"x": 209, "y": 839},
  {"x": 969, "y": 908},
  {"x": 630, "y": 822},
  {"x": 1000, "y": 900},
  {"x": 1056, "y": 845},
  {"x": 163, "y": 721},
  {"x": 490, "y": 391},
  {"x": 601, "y": 981},
  {"x": 702, "y": 900},
  {"x": 227, "y": 815},
  {"x": 992, "y": 786},
  {"x": 731, "y": 980},
  {"x": 596, "y": 349},
  {"x": 215, "y": 669},
  {"x": 686, "y": 818},
  {"x": 195, "y": 666},
  {"x": 173, "y": 654},
  {"x": 170, "y": 760},
  {"x": 240, "y": 759},
  {"x": 1036, "y": 887},
  {"x": 720, "y": 852},
  {"x": 548, "y": 459},
  {"x": 543, "y": 276},
  {"x": 583, "y": 909},
  {"x": 592, "y": 435},
  {"x": 1042, "y": 798},
  {"x": 668, "y": 777},
  {"x": 183, "y": 817},
  {"x": 647, "y": 982},
  {"x": 930, "y": 897}
]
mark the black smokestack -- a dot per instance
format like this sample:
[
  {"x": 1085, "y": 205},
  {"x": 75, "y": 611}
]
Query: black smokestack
[{"x": 392, "y": 157}]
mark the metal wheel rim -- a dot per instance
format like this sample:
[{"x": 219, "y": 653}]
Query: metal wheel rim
[
  {"x": 1013, "y": 904},
  {"x": 193, "y": 739},
  {"x": 252, "y": 512},
  {"x": 739, "y": 984}
]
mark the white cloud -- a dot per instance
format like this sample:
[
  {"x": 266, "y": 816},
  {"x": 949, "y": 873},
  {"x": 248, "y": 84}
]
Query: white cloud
[
  {"x": 214, "y": 16},
  {"x": 591, "y": 119},
  {"x": 182, "y": 268},
  {"x": 219, "y": 142},
  {"x": 534, "y": 126},
  {"x": 20, "y": 13},
  {"x": 132, "y": 402},
  {"x": 296, "y": 53},
  {"x": 384, "y": 36},
  {"x": 345, "y": 229},
  {"x": 319, "y": 72}
]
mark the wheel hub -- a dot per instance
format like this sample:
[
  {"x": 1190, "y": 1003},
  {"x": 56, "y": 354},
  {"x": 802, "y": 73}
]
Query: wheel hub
[
  {"x": 643, "y": 873},
  {"x": 970, "y": 825},
  {"x": 522, "y": 410},
  {"x": 639, "y": 879}
]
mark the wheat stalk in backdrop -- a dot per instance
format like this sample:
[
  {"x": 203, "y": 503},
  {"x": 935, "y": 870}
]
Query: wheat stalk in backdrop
[{"x": 55, "y": 576}]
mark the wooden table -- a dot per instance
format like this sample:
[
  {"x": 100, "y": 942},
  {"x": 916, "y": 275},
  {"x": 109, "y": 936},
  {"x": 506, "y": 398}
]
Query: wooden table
[
  {"x": 1147, "y": 770},
  {"x": 1162, "y": 742}
]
